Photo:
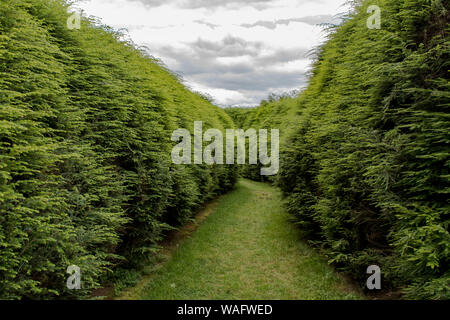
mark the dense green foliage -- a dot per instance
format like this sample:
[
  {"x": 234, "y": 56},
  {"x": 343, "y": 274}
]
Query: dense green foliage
[
  {"x": 277, "y": 112},
  {"x": 366, "y": 170},
  {"x": 85, "y": 173},
  {"x": 86, "y": 178}
]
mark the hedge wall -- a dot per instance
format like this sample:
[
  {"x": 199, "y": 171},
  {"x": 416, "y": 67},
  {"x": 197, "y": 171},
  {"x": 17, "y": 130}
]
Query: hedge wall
[
  {"x": 85, "y": 173},
  {"x": 365, "y": 171}
]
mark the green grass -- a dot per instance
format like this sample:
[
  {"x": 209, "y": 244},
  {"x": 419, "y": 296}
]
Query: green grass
[{"x": 246, "y": 249}]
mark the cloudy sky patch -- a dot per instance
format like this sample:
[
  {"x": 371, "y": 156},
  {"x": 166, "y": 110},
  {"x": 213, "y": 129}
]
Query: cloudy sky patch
[{"x": 236, "y": 51}]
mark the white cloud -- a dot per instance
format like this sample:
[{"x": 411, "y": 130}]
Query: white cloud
[{"x": 237, "y": 51}]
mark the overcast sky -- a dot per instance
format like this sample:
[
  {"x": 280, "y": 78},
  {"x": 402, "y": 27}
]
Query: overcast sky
[{"x": 237, "y": 51}]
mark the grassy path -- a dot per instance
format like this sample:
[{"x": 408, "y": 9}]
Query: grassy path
[{"x": 246, "y": 249}]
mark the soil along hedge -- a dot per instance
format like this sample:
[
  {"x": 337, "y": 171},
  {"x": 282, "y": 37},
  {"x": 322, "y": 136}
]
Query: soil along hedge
[
  {"x": 85, "y": 172},
  {"x": 366, "y": 170}
]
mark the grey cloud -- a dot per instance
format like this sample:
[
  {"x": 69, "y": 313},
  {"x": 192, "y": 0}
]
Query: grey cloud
[
  {"x": 283, "y": 55},
  {"x": 213, "y": 4},
  {"x": 312, "y": 20},
  {"x": 199, "y": 60},
  {"x": 195, "y": 4},
  {"x": 211, "y": 25},
  {"x": 253, "y": 81},
  {"x": 199, "y": 63},
  {"x": 228, "y": 47},
  {"x": 152, "y": 3},
  {"x": 210, "y": 4},
  {"x": 266, "y": 24}
]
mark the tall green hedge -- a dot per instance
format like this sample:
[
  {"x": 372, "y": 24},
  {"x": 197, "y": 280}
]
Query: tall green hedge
[
  {"x": 86, "y": 177},
  {"x": 277, "y": 112},
  {"x": 365, "y": 171}
]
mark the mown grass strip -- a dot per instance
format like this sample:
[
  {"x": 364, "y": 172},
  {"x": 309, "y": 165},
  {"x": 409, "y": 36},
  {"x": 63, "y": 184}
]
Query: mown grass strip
[{"x": 246, "y": 249}]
